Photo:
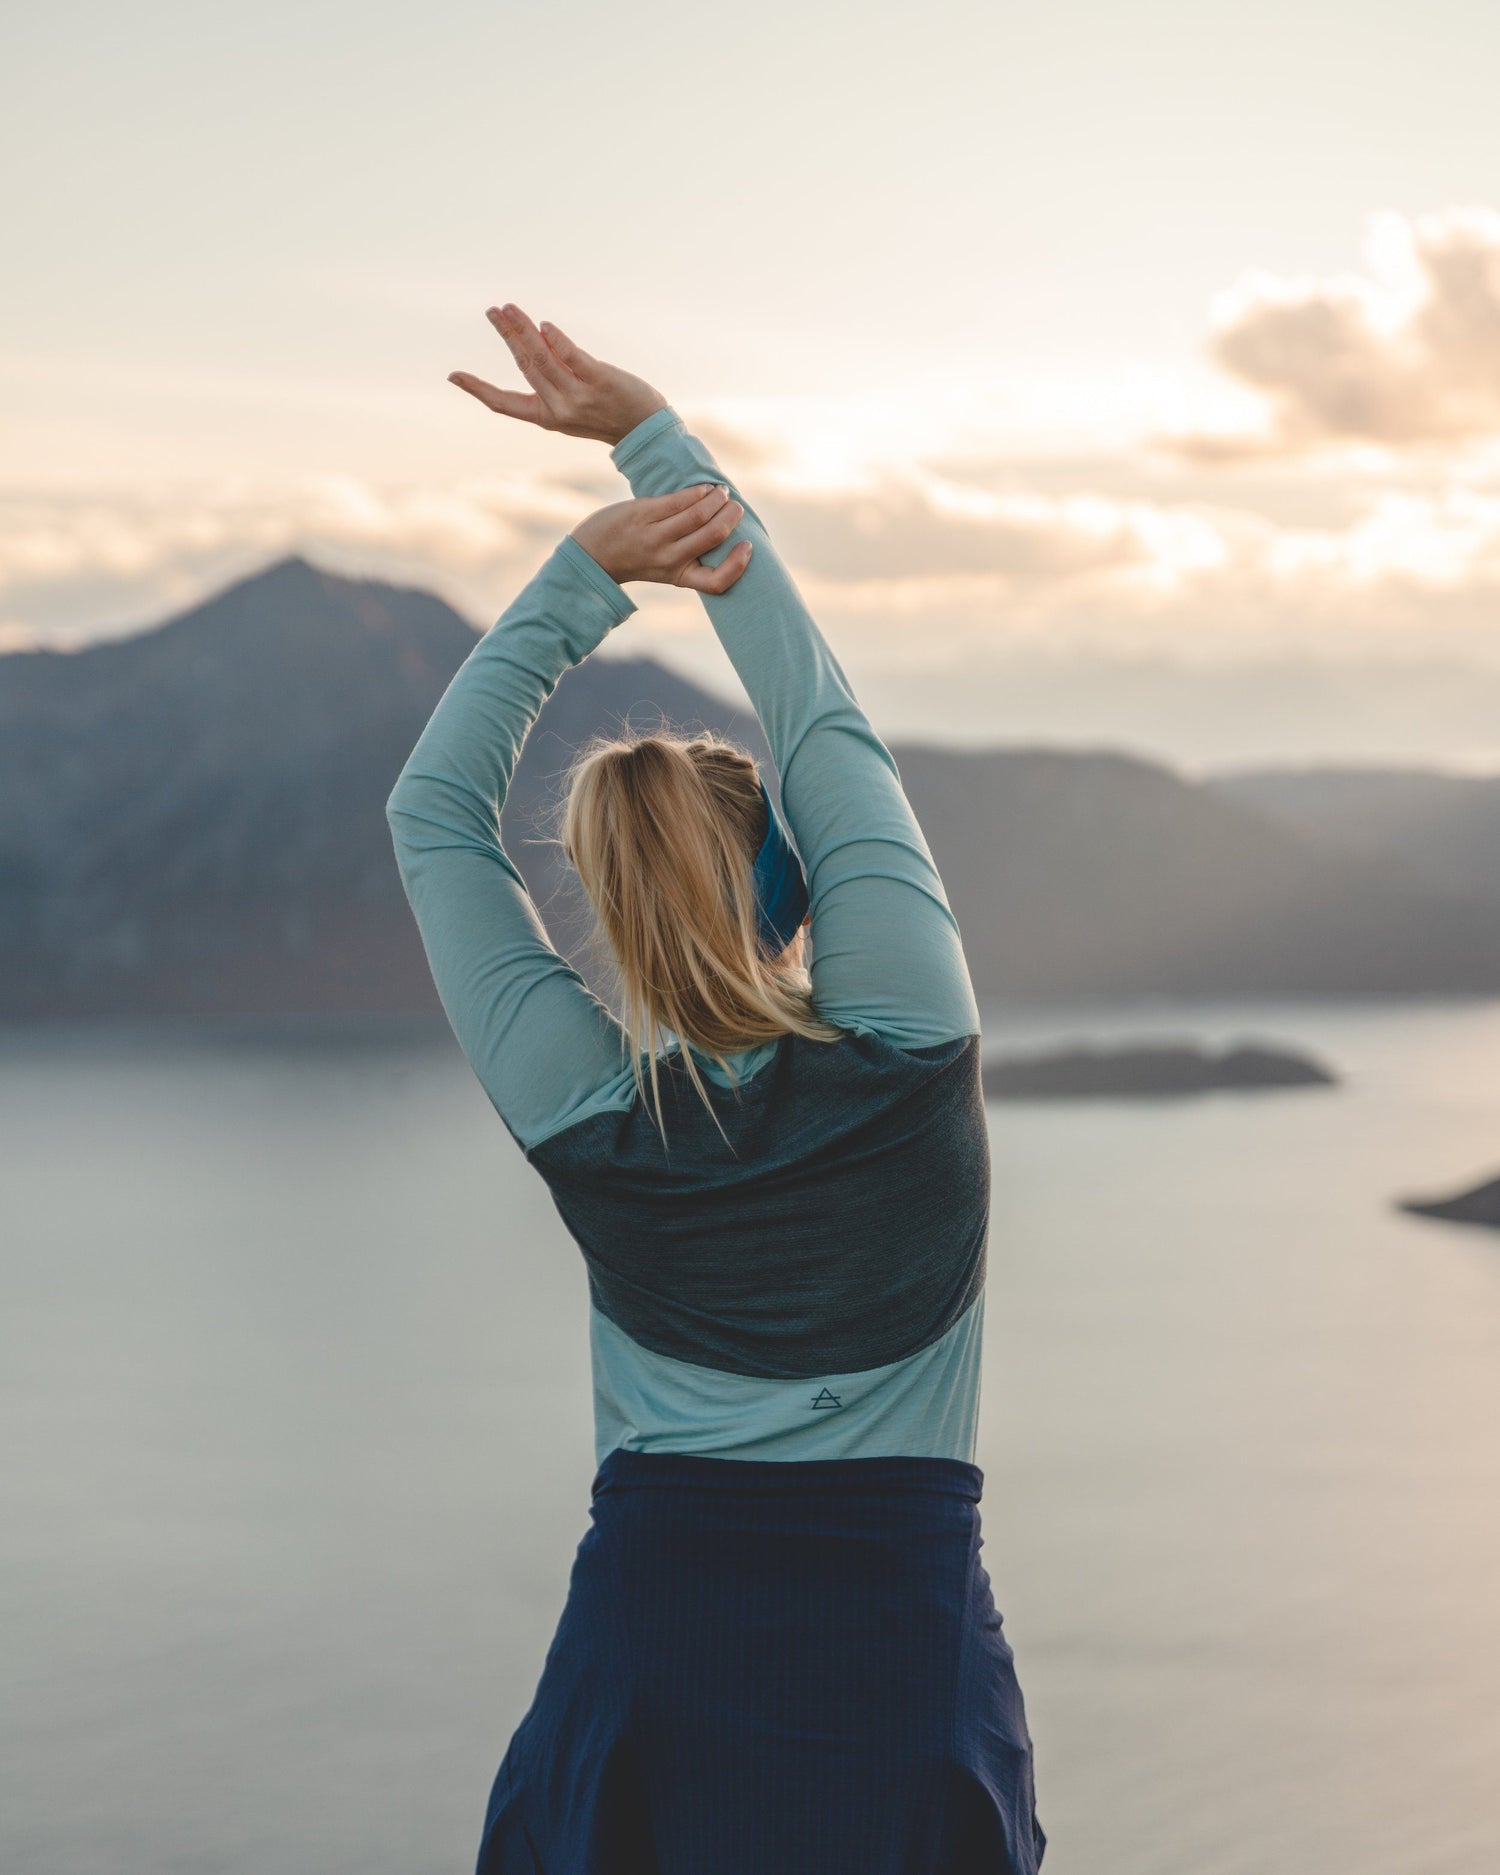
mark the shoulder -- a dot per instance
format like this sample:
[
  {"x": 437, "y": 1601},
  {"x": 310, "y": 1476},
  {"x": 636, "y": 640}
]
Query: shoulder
[
  {"x": 864, "y": 1053},
  {"x": 806, "y": 1095}
]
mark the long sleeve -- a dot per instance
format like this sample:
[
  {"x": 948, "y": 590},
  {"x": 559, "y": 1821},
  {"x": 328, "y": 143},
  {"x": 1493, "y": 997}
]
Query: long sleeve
[
  {"x": 887, "y": 953},
  {"x": 543, "y": 1046}
]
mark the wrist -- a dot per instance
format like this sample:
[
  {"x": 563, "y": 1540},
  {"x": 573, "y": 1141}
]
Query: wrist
[
  {"x": 598, "y": 551},
  {"x": 584, "y": 564},
  {"x": 641, "y": 451},
  {"x": 632, "y": 419}
]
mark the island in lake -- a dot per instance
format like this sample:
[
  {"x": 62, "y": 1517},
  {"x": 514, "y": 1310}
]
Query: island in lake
[
  {"x": 1479, "y": 1206},
  {"x": 1143, "y": 1071}
]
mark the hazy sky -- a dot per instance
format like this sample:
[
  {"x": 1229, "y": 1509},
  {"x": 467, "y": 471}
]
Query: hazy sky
[{"x": 1154, "y": 329}]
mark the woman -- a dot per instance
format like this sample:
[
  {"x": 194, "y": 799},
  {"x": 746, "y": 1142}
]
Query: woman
[{"x": 779, "y": 1653}]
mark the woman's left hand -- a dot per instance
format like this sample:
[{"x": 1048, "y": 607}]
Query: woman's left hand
[
  {"x": 660, "y": 538},
  {"x": 571, "y": 391}
]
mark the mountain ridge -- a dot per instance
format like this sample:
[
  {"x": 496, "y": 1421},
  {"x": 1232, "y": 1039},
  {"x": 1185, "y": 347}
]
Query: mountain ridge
[{"x": 191, "y": 819}]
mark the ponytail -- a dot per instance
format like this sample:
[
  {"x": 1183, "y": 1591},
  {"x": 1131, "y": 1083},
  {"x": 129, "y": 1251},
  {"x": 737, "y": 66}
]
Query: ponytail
[{"x": 663, "y": 831}]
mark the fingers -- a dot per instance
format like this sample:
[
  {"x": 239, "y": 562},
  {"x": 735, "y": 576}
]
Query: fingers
[
  {"x": 712, "y": 533},
  {"x": 577, "y": 360},
  {"x": 721, "y": 577},
  {"x": 680, "y": 514},
  {"x": 662, "y": 509},
  {"x": 523, "y": 404},
  {"x": 541, "y": 368}
]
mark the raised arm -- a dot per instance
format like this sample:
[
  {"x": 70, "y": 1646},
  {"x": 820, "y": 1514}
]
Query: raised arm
[
  {"x": 887, "y": 954},
  {"x": 545, "y": 1049},
  {"x": 543, "y": 1046}
]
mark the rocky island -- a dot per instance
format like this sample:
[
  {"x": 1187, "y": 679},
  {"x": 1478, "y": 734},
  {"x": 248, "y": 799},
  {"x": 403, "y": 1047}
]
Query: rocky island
[
  {"x": 1479, "y": 1206},
  {"x": 1144, "y": 1071}
]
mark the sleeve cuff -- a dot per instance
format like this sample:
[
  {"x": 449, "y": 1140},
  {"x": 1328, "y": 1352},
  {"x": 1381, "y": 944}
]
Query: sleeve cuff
[
  {"x": 633, "y": 441},
  {"x": 582, "y": 564}
]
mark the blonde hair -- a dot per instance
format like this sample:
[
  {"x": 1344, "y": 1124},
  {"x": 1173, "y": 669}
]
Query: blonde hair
[{"x": 663, "y": 831}]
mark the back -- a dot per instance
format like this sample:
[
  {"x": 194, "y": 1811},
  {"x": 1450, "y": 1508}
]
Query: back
[{"x": 845, "y": 1230}]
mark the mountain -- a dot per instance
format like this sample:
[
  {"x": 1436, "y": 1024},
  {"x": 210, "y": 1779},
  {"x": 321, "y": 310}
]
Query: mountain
[
  {"x": 1149, "y": 1071},
  {"x": 1478, "y": 1206},
  {"x": 1077, "y": 874},
  {"x": 1443, "y": 828},
  {"x": 1252, "y": 709},
  {"x": 192, "y": 820}
]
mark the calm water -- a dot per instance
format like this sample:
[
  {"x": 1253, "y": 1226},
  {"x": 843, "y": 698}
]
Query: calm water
[{"x": 295, "y": 1395}]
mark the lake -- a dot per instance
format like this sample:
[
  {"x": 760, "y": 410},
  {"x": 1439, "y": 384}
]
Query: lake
[{"x": 295, "y": 1389}]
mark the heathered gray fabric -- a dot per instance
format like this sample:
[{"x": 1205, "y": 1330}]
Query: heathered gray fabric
[{"x": 845, "y": 1229}]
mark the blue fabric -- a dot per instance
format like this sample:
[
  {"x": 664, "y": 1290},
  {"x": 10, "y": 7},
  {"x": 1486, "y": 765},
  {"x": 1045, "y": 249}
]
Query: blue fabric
[
  {"x": 836, "y": 1224},
  {"x": 926, "y": 1404},
  {"x": 843, "y": 1223},
  {"x": 773, "y": 1669},
  {"x": 829, "y": 1240},
  {"x": 780, "y": 884}
]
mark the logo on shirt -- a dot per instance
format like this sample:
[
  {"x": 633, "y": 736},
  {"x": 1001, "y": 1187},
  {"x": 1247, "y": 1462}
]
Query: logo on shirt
[{"x": 825, "y": 1400}]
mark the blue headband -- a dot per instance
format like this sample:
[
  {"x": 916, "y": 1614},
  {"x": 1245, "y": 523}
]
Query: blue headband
[{"x": 780, "y": 886}]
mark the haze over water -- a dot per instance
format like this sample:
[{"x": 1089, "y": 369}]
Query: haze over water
[{"x": 295, "y": 1388}]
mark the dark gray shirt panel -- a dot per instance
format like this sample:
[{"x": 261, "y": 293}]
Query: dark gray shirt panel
[{"x": 843, "y": 1226}]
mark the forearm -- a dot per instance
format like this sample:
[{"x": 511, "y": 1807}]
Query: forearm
[
  {"x": 540, "y": 1043},
  {"x": 786, "y": 666},
  {"x": 453, "y": 784}
]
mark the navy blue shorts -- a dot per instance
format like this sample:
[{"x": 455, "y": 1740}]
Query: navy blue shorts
[{"x": 769, "y": 1668}]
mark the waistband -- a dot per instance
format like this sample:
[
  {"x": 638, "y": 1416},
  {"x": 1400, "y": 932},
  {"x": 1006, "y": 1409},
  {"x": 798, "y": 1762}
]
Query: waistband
[{"x": 624, "y": 1470}]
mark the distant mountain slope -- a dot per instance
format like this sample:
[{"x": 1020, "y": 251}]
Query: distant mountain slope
[
  {"x": 1444, "y": 828},
  {"x": 192, "y": 819},
  {"x": 1479, "y": 1206},
  {"x": 1105, "y": 874}
]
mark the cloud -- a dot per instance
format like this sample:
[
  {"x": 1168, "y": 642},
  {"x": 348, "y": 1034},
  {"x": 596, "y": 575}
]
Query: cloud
[
  {"x": 910, "y": 569},
  {"x": 76, "y": 567},
  {"x": 1404, "y": 358},
  {"x": 935, "y": 530}
]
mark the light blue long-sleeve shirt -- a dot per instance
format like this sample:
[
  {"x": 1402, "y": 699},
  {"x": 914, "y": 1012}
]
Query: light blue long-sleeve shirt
[{"x": 887, "y": 966}]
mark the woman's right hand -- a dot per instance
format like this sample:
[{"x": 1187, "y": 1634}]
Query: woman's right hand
[
  {"x": 660, "y": 538},
  {"x": 570, "y": 391}
]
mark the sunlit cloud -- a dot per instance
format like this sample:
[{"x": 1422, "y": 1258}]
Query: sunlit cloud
[
  {"x": 1404, "y": 357},
  {"x": 901, "y": 531},
  {"x": 906, "y": 567},
  {"x": 1336, "y": 482},
  {"x": 75, "y": 567}
]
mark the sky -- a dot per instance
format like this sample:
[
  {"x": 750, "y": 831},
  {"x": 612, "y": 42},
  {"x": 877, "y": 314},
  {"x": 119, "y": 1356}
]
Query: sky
[{"x": 1058, "y": 345}]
